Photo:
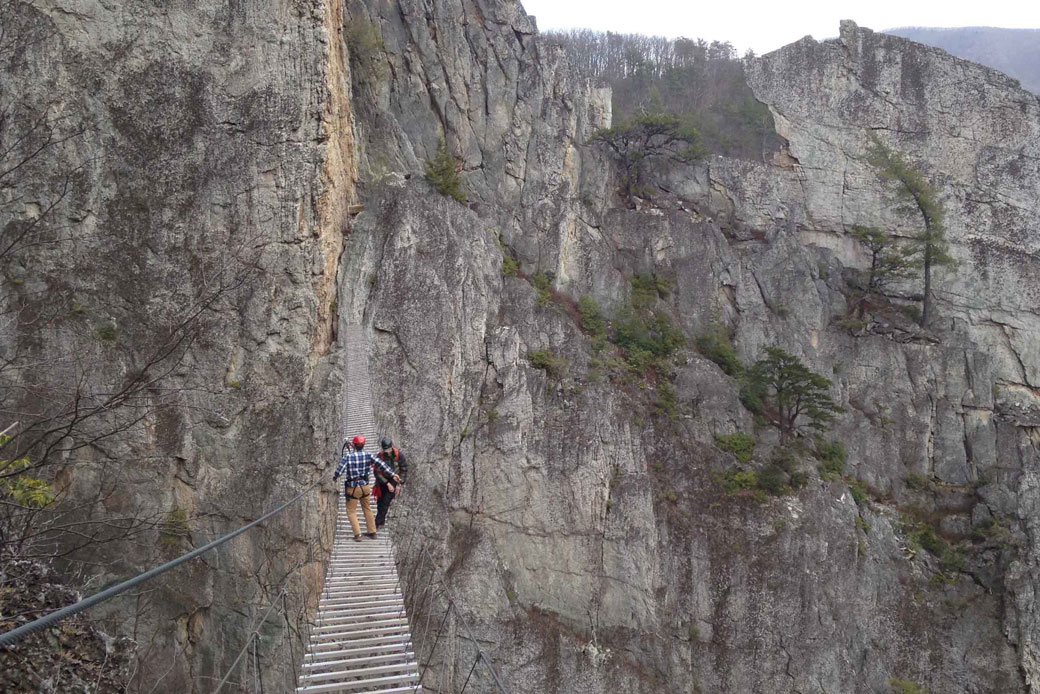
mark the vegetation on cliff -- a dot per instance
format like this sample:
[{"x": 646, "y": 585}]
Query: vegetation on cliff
[
  {"x": 443, "y": 173},
  {"x": 638, "y": 142},
  {"x": 928, "y": 249},
  {"x": 700, "y": 84}
]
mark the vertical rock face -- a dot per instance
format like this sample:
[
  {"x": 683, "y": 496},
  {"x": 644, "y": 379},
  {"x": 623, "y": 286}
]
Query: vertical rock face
[
  {"x": 191, "y": 187},
  {"x": 584, "y": 531},
  {"x": 201, "y": 172},
  {"x": 977, "y": 135}
]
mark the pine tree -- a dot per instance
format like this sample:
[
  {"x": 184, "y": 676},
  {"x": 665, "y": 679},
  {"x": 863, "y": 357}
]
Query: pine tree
[
  {"x": 886, "y": 262},
  {"x": 929, "y": 248},
  {"x": 650, "y": 135},
  {"x": 799, "y": 397}
]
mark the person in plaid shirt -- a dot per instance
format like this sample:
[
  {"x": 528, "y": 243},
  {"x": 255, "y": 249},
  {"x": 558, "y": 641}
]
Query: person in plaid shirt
[{"x": 355, "y": 466}]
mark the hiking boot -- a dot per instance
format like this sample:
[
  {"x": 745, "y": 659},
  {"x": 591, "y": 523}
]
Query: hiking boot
[
  {"x": 372, "y": 535},
  {"x": 357, "y": 538}
]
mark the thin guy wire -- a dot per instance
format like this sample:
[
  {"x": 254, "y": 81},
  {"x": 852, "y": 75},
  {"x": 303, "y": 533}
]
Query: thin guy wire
[
  {"x": 475, "y": 661},
  {"x": 254, "y": 632},
  {"x": 434, "y": 649},
  {"x": 469, "y": 634}
]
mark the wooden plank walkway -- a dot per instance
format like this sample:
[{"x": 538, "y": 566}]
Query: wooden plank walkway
[{"x": 361, "y": 640}]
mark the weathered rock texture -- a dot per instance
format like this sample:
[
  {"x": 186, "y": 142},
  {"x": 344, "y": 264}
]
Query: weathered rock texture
[
  {"x": 193, "y": 199},
  {"x": 583, "y": 530},
  {"x": 1012, "y": 51}
]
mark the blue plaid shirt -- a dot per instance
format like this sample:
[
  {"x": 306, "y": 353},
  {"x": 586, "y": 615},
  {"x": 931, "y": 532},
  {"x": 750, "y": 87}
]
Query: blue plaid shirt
[{"x": 356, "y": 465}]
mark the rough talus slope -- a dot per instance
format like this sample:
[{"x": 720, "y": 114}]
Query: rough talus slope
[
  {"x": 583, "y": 530},
  {"x": 208, "y": 169}
]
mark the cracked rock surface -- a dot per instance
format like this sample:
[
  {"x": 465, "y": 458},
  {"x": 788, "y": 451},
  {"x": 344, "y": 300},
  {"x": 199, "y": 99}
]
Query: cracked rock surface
[
  {"x": 585, "y": 533},
  {"x": 199, "y": 171}
]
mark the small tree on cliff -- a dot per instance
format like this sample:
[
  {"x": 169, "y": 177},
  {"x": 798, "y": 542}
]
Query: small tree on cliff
[
  {"x": 929, "y": 248},
  {"x": 798, "y": 396},
  {"x": 443, "y": 173},
  {"x": 886, "y": 262},
  {"x": 650, "y": 135}
]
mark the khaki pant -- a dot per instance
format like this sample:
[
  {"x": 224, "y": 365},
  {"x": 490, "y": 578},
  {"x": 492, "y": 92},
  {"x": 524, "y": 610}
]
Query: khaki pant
[{"x": 355, "y": 494}]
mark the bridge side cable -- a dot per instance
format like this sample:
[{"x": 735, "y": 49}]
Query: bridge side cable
[{"x": 10, "y": 637}]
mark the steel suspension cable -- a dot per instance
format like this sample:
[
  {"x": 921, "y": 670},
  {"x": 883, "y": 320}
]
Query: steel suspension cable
[{"x": 9, "y": 637}]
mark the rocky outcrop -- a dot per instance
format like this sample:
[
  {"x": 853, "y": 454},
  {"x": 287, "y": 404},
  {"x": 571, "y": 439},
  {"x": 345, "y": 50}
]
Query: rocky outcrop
[
  {"x": 70, "y": 657},
  {"x": 587, "y": 532},
  {"x": 207, "y": 163},
  {"x": 192, "y": 196}
]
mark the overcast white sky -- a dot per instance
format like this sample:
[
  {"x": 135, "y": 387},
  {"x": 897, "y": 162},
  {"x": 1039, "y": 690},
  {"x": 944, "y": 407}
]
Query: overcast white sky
[{"x": 766, "y": 26}]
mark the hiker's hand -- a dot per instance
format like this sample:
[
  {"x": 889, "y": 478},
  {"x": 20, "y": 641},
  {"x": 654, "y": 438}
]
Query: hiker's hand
[
  {"x": 397, "y": 478},
  {"x": 391, "y": 488}
]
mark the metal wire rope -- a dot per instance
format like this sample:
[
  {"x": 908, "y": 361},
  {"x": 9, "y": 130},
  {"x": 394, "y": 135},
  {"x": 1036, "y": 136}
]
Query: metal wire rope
[{"x": 10, "y": 637}]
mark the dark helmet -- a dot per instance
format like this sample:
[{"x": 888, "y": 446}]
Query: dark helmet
[
  {"x": 386, "y": 444},
  {"x": 359, "y": 442}
]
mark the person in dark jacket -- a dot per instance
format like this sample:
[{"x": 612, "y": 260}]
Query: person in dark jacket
[{"x": 388, "y": 488}]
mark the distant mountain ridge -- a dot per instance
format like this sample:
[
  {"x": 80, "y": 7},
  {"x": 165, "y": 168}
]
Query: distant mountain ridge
[{"x": 1015, "y": 52}]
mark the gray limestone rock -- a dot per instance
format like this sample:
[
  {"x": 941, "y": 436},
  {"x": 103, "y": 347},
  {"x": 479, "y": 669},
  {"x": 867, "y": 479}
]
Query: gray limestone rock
[
  {"x": 588, "y": 535},
  {"x": 602, "y": 552}
]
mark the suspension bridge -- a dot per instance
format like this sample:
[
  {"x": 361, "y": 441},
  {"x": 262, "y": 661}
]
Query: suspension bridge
[{"x": 360, "y": 640}]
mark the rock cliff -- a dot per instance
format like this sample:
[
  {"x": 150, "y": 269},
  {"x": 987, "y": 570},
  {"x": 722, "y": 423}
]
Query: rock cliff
[
  {"x": 188, "y": 172},
  {"x": 586, "y": 531},
  {"x": 204, "y": 169}
]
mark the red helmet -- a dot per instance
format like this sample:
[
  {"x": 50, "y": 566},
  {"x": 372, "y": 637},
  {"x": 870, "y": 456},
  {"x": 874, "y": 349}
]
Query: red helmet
[{"x": 358, "y": 441}]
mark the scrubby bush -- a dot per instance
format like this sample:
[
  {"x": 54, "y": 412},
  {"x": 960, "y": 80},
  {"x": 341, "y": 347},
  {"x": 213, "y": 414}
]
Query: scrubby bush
[
  {"x": 442, "y": 172},
  {"x": 832, "y": 456},
  {"x": 912, "y": 312},
  {"x": 786, "y": 458},
  {"x": 858, "y": 490},
  {"x": 772, "y": 479},
  {"x": 901, "y": 686},
  {"x": 666, "y": 398},
  {"x": 106, "y": 331},
  {"x": 646, "y": 339},
  {"x": 510, "y": 266},
  {"x": 923, "y": 534},
  {"x": 918, "y": 481},
  {"x": 715, "y": 344},
  {"x": 739, "y": 444},
  {"x": 926, "y": 536},
  {"x": 543, "y": 285},
  {"x": 743, "y": 479},
  {"x": 592, "y": 321},
  {"x": 548, "y": 361},
  {"x": 648, "y": 288},
  {"x": 799, "y": 479}
]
